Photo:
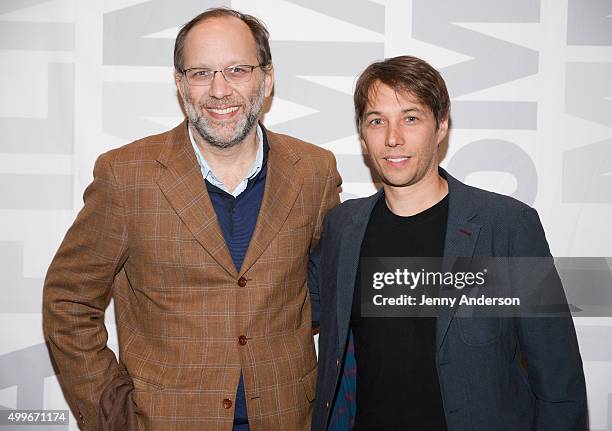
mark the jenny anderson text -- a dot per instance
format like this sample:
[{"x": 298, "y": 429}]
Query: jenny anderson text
[{"x": 410, "y": 300}]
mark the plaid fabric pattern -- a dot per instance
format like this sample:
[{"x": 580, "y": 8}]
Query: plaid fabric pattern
[{"x": 187, "y": 321}]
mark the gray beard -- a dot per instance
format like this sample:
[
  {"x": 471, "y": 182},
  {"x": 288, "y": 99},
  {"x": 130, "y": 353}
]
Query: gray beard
[{"x": 244, "y": 127}]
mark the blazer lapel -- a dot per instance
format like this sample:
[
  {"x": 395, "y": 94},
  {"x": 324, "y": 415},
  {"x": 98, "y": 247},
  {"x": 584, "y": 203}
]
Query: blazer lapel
[
  {"x": 461, "y": 238},
  {"x": 183, "y": 185},
  {"x": 348, "y": 262},
  {"x": 283, "y": 185}
]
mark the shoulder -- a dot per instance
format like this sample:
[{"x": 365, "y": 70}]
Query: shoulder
[
  {"x": 508, "y": 220},
  {"x": 515, "y": 221},
  {"x": 350, "y": 208},
  {"x": 138, "y": 161},
  {"x": 143, "y": 149},
  {"x": 499, "y": 203},
  {"x": 295, "y": 145},
  {"x": 318, "y": 159},
  {"x": 487, "y": 204}
]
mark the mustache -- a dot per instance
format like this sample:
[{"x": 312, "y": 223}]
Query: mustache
[{"x": 219, "y": 103}]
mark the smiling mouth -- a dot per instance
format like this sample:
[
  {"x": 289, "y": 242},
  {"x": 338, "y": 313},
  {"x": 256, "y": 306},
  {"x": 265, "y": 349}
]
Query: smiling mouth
[
  {"x": 396, "y": 159},
  {"x": 224, "y": 110}
]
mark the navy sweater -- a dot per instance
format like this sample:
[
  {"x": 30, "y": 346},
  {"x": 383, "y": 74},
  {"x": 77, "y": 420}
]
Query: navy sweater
[{"x": 237, "y": 217}]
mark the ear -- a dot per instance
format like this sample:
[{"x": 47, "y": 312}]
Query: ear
[
  {"x": 442, "y": 129},
  {"x": 178, "y": 80},
  {"x": 269, "y": 79}
]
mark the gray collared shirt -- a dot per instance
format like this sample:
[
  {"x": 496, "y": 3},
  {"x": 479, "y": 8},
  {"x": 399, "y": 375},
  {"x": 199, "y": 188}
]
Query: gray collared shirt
[{"x": 209, "y": 176}]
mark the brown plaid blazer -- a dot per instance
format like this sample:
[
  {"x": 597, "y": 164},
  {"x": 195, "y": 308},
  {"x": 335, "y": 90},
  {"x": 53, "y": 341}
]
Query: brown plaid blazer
[{"x": 188, "y": 323}]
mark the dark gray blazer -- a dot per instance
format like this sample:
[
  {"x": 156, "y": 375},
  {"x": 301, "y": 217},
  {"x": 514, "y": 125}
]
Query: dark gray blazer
[{"x": 483, "y": 385}]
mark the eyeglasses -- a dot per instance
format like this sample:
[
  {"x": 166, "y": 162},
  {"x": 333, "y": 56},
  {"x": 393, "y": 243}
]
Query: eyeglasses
[{"x": 232, "y": 74}]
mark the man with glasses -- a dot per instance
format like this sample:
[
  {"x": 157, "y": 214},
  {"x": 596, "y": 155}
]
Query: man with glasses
[{"x": 201, "y": 235}]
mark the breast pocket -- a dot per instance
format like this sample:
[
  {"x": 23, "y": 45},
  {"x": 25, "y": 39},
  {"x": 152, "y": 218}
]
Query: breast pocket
[{"x": 479, "y": 331}]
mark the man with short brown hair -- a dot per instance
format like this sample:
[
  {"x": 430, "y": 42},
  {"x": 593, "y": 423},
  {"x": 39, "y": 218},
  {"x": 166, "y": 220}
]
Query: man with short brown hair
[
  {"x": 201, "y": 235},
  {"x": 432, "y": 371}
]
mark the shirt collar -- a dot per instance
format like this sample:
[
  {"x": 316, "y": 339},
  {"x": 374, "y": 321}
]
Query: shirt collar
[{"x": 209, "y": 175}]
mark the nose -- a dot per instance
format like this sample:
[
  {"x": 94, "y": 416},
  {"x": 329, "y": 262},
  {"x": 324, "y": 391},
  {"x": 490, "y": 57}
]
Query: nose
[
  {"x": 394, "y": 136},
  {"x": 219, "y": 88}
]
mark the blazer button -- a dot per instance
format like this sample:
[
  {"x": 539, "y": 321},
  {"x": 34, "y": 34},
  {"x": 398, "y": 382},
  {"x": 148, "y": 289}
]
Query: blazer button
[
  {"x": 227, "y": 403},
  {"x": 242, "y": 340},
  {"x": 337, "y": 362},
  {"x": 327, "y": 405},
  {"x": 242, "y": 282}
]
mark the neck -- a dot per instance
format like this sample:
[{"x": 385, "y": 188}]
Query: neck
[
  {"x": 411, "y": 200},
  {"x": 230, "y": 165}
]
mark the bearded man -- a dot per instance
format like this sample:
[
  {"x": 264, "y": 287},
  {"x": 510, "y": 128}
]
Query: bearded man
[{"x": 201, "y": 235}]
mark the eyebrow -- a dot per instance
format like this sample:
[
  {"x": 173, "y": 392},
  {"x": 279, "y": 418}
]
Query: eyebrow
[
  {"x": 204, "y": 66},
  {"x": 404, "y": 111}
]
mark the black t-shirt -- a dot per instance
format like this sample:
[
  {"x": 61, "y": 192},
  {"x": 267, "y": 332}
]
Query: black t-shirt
[{"x": 397, "y": 381}]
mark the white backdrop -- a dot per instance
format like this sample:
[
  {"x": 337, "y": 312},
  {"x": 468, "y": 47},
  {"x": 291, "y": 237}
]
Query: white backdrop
[{"x": 531, "y": 88}]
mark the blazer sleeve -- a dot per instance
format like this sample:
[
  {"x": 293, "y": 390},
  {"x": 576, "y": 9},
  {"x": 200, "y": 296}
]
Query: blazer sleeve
[
  {"x": 314, "y": 271},
  {"x": 548, "y": 344},
  {"x": 331, "y": 198},
  {"x": 77, "y": 291}
]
